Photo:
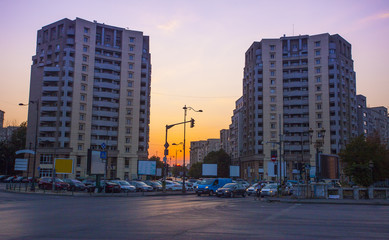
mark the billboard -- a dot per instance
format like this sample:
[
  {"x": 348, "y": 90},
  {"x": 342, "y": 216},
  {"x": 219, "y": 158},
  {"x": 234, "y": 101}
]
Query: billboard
[
  {"x": 63, "y": 165},
  {"x": 21, "y": 164},
  {"x": 234, "y": 171},
  {"x": 147, "y": 167},
  {"x": 209, "y": 169},
  {"x": 95, "y": 164}
]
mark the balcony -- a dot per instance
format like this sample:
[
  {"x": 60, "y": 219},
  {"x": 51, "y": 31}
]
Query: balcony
[
  {"x": 105, "y": 123},
  {"x": 50, "y": 79},
  {"x": 108, "y": 76},
  {"x": 107, "y": 85},
  {"x": 106, "y": 104},
  {"x": 50, "y": 89},
  {"x": 47, "y": 129},
  {"x": 296, "y": 75},
  {"x": 48, "y": 119},
  {"x": 106, "y": 95},
  {"x": 107, "y": 66},
  {"x": 70, "y": 31},
  {"x": 51, "y": 69},
  {"x": 49, "y": 109},
  {"x": 49, "y": 98},
  {"x": 106, "y": 113}
]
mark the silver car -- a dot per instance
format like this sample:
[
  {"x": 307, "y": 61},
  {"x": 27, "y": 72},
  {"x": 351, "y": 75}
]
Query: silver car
[
  {"x": 269, "y": 190},
  {"x": 125, "y": 186}
]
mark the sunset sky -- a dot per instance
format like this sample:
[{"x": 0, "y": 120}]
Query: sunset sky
[{"x": 197, "y": 50}]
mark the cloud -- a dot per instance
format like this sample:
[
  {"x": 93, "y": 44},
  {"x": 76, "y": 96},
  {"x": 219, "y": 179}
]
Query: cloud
[
  {"x": 170, "y": 26},
  {"x": 375, "y": 17}
]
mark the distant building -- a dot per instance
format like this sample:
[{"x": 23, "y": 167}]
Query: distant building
[
  {"x": 200, "y": 149},
  {"x": 90, "y": 86},
  {"x": 373, "y": 120},
  {"x": 5, "y": 132},
  {"x": 1, "y": 119}
]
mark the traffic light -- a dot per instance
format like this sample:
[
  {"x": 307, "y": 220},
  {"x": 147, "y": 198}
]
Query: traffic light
[{"x": 192, "y": 121}]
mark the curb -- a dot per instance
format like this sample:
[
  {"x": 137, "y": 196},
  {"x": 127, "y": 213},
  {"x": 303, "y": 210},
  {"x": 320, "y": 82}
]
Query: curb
[{"x": 319, "y": 201}]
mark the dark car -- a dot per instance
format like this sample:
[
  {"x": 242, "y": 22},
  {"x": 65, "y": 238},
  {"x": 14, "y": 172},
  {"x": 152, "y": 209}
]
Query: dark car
[
  {"x": 141, "y": 186},
  {"x": 154, "y": 184},
  {"x": 9, "y": 179},
  {"x": 47, "y": 183},
  {"x": 27, "y": 180},
  {"x": 18, "y": 179},
  {"x": 3, "y": 177},
  {"x": 231, "y": 190},
  {"x": 75, "y": 185},
  {"x": 110, "y": 186}
]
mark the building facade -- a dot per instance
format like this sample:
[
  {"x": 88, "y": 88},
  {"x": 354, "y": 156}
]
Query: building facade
[
  {"x": 373, "y": 120},
  {"x": 89, "y": 89},
  {"x": 200, "y": 149},
  {"x": 299, "y": 100}
]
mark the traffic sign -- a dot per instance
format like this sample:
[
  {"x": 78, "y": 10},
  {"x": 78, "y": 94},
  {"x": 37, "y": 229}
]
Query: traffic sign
[
  {"x": 103, "y": 146},
  {"x": 103, "y": 155},
  {"x": 274, "y": 158}
]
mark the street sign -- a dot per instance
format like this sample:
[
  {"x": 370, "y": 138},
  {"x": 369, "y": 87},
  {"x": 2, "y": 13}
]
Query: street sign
[
  {"x": 164, "y": 159},
  {"x": 21, "y": 164},
  {"x": 103, "y": 146},
  {"x": 103, "y": 155},
  {"x": 273, "y": 158}
]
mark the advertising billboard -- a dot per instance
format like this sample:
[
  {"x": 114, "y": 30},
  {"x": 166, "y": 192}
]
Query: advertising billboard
[
  {"x": 147, "y": 167},
  {"x": 209, "y": 169},
  {"x": 63, "y": 165}
]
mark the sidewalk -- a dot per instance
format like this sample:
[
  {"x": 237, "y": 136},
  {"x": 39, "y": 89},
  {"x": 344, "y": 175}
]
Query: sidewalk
[{"x": 381, "y": 202}]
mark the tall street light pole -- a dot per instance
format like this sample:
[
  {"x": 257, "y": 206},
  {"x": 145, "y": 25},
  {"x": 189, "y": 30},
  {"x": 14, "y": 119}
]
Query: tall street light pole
[
  {"x": 192, "y": 124},
  {"x": 36, "y": 102}
]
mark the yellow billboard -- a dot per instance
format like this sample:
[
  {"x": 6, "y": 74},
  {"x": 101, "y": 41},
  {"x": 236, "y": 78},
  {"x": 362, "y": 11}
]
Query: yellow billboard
[{"x": 63, "y": 165}]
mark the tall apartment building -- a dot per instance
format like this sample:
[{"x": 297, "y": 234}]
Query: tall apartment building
[
  {"x": 90, "y": 86},
  {"x": 1, "y": 119},
  {"x": 373, "y": 120},
  {"x": 298, "y": 92}
]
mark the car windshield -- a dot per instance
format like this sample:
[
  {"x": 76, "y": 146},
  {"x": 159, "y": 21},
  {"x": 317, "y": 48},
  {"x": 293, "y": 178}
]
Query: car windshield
[
  {"x": 207, "y": 181},
  {"x": 229, "y": 185},
  {"x": 124, "y": 183},
  {"x": 142, "y": 183}
]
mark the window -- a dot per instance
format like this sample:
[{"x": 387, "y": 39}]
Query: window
[
  {"x": 272, "y": 82},
  {"x": 82, "y": 107},
  {"x": 128, "y": 130},
  {"x": 131, "y": 57},
  {"x": 132, "y": 39},
  {"x": 128, "y": 121},
  {"x": 129, "y": 93},
  {"x": 85, "y": 49},
  {"x": 80, "y": 137},
  {"x": 272, "y": 125},
  {"x": 81, "y": 127},
  {"x": 79, "y": 146},
  {"x": 131, "y": 66},
  {"x": 272, "y": 117},
  {"x": 127, "y": 149},
  {"x": 131, "y": 48},
  {"x": 272, "y": 108},
  {"x": 86, "y": 30},
  {"x": 82, "y": 97},
  {"x": 130, "y": 75},
  {"x": 272, "y": 99},
  {"x": 82, "y": 116},
  {"x": 83, "y": 87},
  {"x": 272, "y": 90},
  {"x": 129, "y": 102},
  {"x": 272, "y": 64},
  {"x": 318, "y": 61},
  {"x": 86, "y": 39},
  {"x": 317, "y": 44},
  {"x": 318, "y": 116},
  {"x": 272, "y": 73},
  {"x": 273, "y": 134},
  {"x": 84, "y": 68},
  {"x": 318, "y": 106},
  {"x": 319, "y": 125},
  {"x": 318, "y": 79},
  {"x": 83, "y": 78},
  {"x": 318, "y": 88},
  {"x": 317, "y": 52},
  {"x": 78, "y": 161},
  {"x": 127, "y": 140},
  {"x": 126, "y": 162},
  {"x": 318, "y": 70},
  {"x": 271, "y": 56},
  {"x": 318, "y": 97},
  {"x": 130, "y": 83},
  {"x": 84, "y": 58},
  {"x": 332, "y": 51},
  {"x": 272, "y": 47}
]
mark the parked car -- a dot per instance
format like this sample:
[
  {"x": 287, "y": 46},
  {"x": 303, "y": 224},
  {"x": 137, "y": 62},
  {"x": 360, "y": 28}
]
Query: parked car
[
  {"x": 75, "y": 185},
  {"x": 154, "y": 184},
  {"x": 141, "y": 186},
  {"x": 110, "y": 186},
  {"x": 252, "y": 189},
  {"x": 125, "y": 186},
  {"x": 18, "y": 179},
  {"x": 27, "y": 180},
  {"x": 231, "y": 190},
  {"x": 210, "y": 185},
  {"x": 269, "y": 190},
  {"x": 47, "y": 183},
  {"x": 243, "y": 182},
  {"x": 9, "y": 179},
  {"x": 173, "y": 186},
  {"x": 188, "y": 185},
  {"x": 3, "y": 177}
]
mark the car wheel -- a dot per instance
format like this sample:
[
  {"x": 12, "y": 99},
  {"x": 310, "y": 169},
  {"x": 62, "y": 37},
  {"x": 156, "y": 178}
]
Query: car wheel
[
  {"x": 244, "y": 195},
  {"x": 210, "y": 193}
]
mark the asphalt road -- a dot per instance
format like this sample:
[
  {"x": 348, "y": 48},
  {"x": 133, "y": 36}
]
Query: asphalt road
[{"x": 29, "y": 216}]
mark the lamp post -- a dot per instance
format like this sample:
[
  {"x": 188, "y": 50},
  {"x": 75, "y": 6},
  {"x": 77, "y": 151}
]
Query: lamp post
[
  {"x": 36, "y": 102},
  {"x": 318, "y": 144},
  {"x": 176, "y": 144},
  {"x": 192, "y": 124}
]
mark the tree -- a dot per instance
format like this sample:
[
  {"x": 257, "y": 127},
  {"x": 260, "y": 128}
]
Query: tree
[
  {"x": 8, "y": 149},
  {"x": 223, "y": 161},
  {"x": 195, "y": 170},
  {"x": 365, "y": 160}
]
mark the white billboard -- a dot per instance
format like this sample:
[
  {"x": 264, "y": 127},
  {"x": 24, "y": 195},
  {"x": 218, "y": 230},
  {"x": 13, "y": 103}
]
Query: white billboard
[
  {"x": 147, "y": 167},
  {"x": 234, "y": 171},
  {"x": 209, "y": 169},
  {"x": 21, "y": 164},
  {"x": 97, "y": 164}
]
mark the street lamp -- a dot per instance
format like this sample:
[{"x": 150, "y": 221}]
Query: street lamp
[
  {"x": 318, "y": 144},
  {"x": 36, "y": 102},
  {"x": 192, "y": 124},
  {"x": 176, "y": 144}
]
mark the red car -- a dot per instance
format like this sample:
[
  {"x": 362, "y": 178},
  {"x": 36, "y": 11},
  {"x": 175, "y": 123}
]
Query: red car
[{"x": 47, "y": 183}]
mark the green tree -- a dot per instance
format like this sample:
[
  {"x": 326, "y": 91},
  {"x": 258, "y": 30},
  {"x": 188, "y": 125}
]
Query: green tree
[
  {"x": 223, "y": 161},
  {"x": 365, "y": 160},
  {"x": 195, "y": 170},
  {"x": 8, "y": 149}
]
